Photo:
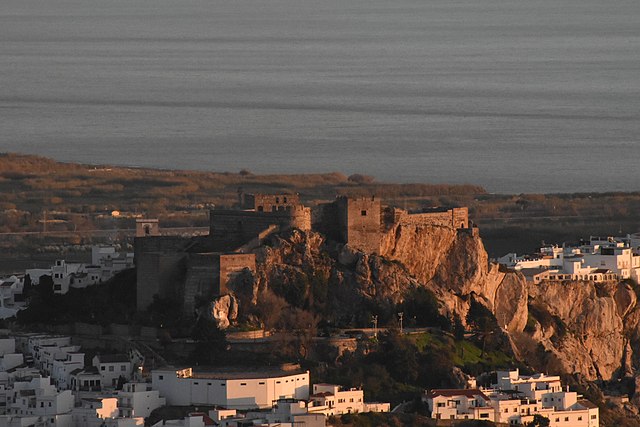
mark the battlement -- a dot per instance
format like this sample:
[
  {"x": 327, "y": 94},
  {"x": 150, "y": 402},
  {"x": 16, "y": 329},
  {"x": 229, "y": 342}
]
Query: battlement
[
  {"x": 455, "y": 218},
  {"x": 270, "y": 202},
  {"x": 361, "y": 222},
  {"x": 231, "y": 229}
]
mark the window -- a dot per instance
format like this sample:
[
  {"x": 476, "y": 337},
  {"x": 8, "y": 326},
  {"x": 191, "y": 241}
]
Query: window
[
  {"x": 111, "y": 368},
  {"x": 123, "y": 368},
  {"x": 261, "y": 383},
  {"x": 593, "y": 417},
  {"x": 277, "y": 199},
  {"x": 161, "y": 377},
  {"x": 484, "y": 415},
  {"x": 285, "y": 200},
  {"x": 579, "y": 418},
  {"x": 363, "y": 213},
  {"x": 196, "y": 383},
  {"x": 102, "y": 368},
  {"x": 440, "y": 405},
  {"x": 566, "y": 418},
  {"x": 243, "y": 383}
]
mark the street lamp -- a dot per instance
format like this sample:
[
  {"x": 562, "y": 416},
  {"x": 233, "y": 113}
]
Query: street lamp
[
  {"x": 374, "y": 320},
  {"x": 400, "y": 316}
]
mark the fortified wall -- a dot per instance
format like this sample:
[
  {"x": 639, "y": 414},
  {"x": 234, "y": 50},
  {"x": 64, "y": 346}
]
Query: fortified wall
[
  {"x": 190, "y": 268},
  {"x": 229, "y": 229},
  {"x": 456, "y": 218},
  {"x": 202, "y": 267},
  {"x": 361, "y": 222}
]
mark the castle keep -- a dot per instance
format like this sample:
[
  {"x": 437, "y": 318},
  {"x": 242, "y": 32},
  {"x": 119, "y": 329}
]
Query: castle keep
[{"x": 187, "y": 269}]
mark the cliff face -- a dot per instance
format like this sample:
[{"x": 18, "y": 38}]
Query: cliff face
[
  {"x": 571, "y": 327},
  {"x": 455, "y": 266}
]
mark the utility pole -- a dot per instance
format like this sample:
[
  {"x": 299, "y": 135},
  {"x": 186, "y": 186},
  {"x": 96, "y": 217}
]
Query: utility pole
[
  {"x": 400, "y": 316},
  {"x": 374, "y": 320}
]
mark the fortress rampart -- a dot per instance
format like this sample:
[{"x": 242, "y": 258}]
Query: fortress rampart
[
  {"x": 230, "y": 229},
  {"x": 193, "y": 268}
]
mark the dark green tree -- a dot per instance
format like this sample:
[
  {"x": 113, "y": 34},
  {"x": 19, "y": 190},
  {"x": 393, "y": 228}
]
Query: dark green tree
[
  {"x": 211, "y": 342},
  {"x": 539, "y": 421}
]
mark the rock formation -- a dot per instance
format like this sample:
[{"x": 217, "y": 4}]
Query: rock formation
[{"x": 556, "y": 327}]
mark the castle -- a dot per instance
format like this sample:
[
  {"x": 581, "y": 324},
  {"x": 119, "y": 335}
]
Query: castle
[{"x": 186, "y": 269}]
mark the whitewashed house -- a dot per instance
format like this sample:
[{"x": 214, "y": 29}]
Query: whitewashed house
[
  {"x": 111, "y": 367},
  {"x": 138, "y": 400}
]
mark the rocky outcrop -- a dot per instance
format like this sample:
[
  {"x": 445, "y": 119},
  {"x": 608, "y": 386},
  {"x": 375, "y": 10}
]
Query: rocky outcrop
[
  {"x": 556, "y": 327},
  {"x": 223, "y": 310}
]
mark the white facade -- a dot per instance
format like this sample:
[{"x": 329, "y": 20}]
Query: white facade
[
  {"x": 93, "y": 411},
  {"x": 602, "y": 259},
  {"x": 515, "y": 400},
  {"x": 463, "y": 404},
  {"x": 247, "y": 390},
  {"x": 335, "y": 400},
  {"x": 138, "y": 400},
  {"x": 111, "y": 367}
]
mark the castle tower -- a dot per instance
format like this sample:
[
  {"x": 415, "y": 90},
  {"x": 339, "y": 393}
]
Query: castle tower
[
  {"x": 359, "y": 222},
  {"x": 147, "y": 227}
]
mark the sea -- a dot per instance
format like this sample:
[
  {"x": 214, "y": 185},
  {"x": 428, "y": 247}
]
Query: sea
[{"x": 519, "y": 96}]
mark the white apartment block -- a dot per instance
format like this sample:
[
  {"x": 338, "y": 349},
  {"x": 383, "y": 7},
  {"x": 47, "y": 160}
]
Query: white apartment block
[
  {"x": 459, "y": 404},
  {"x": 602, "y": 259},
  {"x": 515, "y": 400},
  {"x": 102, "y": 411},
  {"x": 138, "y": 400},
  {"x": 38, "y": 399},
  {"x": 236, "y": 390},
  {"x": 331, "y": 399}
]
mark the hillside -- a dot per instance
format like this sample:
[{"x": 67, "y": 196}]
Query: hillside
[{"x": 77, "y": 198}]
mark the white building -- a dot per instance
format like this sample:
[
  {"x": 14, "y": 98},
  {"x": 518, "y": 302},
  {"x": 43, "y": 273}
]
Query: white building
[
  {"x": 459, "y": 404},
  {"x": 93, "y": 410},
  {"x": 9, "y": 288},
  {"x": 331, "y": 399},
  {"x": 85, "y": 380},
  {"x": 9, "y": 359},
  {"x": 110, "y": 261},
  {"x": 64, "y": 363},
  {"x": 105, "y": 263},
  {"x": 111, "y": 367},
  {"x": 39, "y": 398},
  {"x": 602, "y": 259},
  {"x": 515, "y": 400},
  {"x": 237, "y": 390},
  {"x": 138, "y": 400}
]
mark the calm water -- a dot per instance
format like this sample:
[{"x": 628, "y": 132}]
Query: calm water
[{"x": 515, "y": 95}]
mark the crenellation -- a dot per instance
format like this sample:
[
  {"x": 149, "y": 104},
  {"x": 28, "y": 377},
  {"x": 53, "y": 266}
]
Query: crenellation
[{"x": 203, "y": 267}]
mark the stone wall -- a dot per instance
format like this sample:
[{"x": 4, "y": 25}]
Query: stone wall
[
  {"x": 202, "y": 279},
  {"x": 454, "y": 218},
  {"x": 359, "y": 222},
  {"x": 157, "y": 274},
  {"x": 232, "y": 264},
  {"x": 230, "y": 229},
  {"x": 160, "y": 264},
  {"x": 271, "y": 202}
]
